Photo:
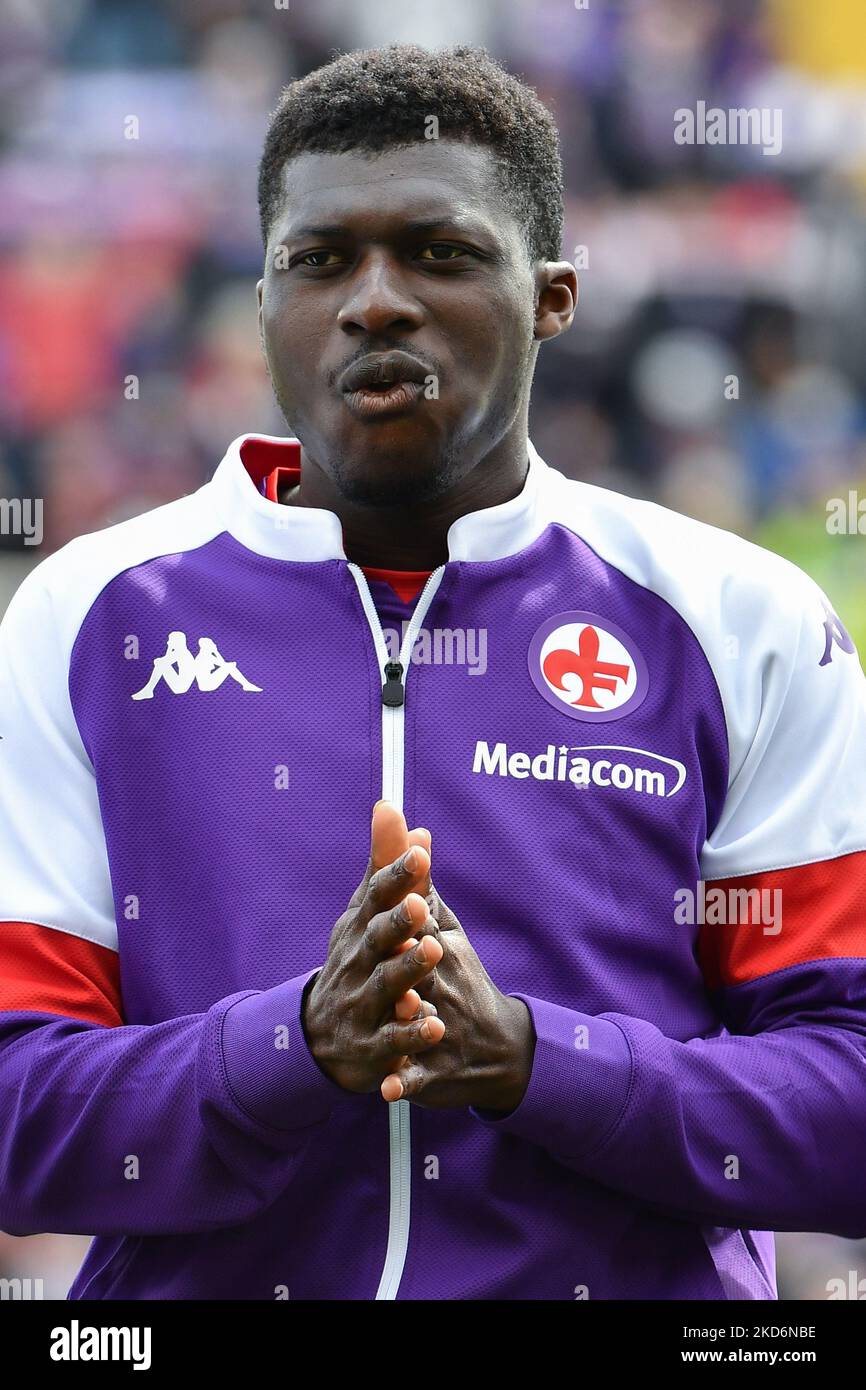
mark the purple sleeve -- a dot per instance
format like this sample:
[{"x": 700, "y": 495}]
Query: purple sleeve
[
  {"x": 187, "y": 1125},
  {"x": 765, "y": 1131}
]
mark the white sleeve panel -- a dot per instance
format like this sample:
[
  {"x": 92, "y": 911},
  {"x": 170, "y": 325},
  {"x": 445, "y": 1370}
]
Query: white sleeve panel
[
  {"x": 53, "y": 859},
  {"x": 798, "y": 795},
  {"x": 53, "y": 862},
  {"x": 796, "y": 729}
]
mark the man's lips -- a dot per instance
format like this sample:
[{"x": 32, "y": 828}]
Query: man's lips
[
  {"x": 382, "y": 369},
  {"x": 383, "y": 383},
  {"x": 389, "y": 400}
]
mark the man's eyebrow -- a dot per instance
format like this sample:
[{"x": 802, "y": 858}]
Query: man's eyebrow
[
  {"x": 416, "y": 225},
  {"x": 429, "y": 224},
  {"x": 295, "y": 233}
]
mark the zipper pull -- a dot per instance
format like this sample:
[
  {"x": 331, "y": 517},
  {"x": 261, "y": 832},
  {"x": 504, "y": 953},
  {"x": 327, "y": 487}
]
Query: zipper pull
[{"x": 392, "y": 690}]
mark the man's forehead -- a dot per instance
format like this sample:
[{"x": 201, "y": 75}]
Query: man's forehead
[{"x": 424, "y": 180}]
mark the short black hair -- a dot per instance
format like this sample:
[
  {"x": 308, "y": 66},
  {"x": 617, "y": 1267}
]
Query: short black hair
[{"x": 377, "y": 98}]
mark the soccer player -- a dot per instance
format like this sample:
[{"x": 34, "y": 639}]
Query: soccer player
[{"x": 595, "y": 1026}]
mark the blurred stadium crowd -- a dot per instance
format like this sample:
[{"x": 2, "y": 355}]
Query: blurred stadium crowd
[{"x": 717, "y": 363}]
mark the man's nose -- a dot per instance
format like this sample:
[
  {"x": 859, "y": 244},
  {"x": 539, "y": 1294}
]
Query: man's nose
[{"x": 378, "y": 299}]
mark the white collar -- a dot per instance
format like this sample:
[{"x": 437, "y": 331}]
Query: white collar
[{"x": 313, "y": 533}]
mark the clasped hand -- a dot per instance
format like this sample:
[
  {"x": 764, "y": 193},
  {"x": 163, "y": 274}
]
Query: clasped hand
[{"x": 403, "y": 1002}]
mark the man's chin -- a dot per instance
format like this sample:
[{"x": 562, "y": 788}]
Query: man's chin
[
  {"x": 391, "y": 482},
  {"x": 405, "y": 469}
]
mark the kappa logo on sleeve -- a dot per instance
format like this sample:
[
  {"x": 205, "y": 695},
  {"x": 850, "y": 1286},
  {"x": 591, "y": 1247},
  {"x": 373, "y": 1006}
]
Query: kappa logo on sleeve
[
  {"x": 834, "y": 631},
  {"x": 180, "y": 670},
  {"x": 587, "y": 667}
]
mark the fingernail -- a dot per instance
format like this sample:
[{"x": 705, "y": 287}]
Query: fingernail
[
  {"x": 410, "y": 860},
  {"x": 405, "y": 911}
]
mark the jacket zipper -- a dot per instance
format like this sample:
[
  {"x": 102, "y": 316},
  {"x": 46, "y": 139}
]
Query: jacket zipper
[{"x": 394, "y": 675}]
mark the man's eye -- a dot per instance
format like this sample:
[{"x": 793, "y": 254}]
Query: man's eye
[
  {"x": 451, "y": 252},
  {"x": 308, "y": 258}
]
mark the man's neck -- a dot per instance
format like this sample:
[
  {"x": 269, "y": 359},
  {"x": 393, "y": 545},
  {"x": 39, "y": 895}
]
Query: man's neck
[{"x": 414, "y": 536}]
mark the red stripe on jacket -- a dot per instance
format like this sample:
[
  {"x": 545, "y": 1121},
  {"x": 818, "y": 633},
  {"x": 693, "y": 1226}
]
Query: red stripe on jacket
[
  {"x": 50, "y": 971},
  {"x": 822, "y": 910}
]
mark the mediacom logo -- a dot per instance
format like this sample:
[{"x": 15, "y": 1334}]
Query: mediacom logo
[{"x": 584, "y": 768}]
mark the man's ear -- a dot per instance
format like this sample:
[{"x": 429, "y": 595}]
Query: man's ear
[
  {"x": 259, "y": 292},
  {"x": 556, "y": 298}
]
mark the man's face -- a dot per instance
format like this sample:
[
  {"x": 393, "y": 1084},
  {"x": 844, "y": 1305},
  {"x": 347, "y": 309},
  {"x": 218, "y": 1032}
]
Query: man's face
[{"x": 413, "y": 250}]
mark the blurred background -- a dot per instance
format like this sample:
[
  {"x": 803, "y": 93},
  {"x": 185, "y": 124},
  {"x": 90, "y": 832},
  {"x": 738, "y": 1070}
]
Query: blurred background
[{"x": 717, "y": 363}]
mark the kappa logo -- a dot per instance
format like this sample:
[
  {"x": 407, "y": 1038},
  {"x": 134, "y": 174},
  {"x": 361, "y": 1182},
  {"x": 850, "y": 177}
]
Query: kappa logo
[
  {"x": 834, "y": 631},
  {"x": 180, "y": 670},
  {"x": 587, "y": 667}
]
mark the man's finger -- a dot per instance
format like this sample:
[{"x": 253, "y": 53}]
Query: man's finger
[
  {"x": 421, "y": 836},
  {"x": 411, "y": 1005},
  {"x": 395, "y": 1041},
  {"x": 393, "y": 933},
  {"x": 389, "y": 838},
  {"x": 393, "y": 977},
  {"x": 409, "y": 1081},
  {"x": 391, "y": 883},
  {"x": 389, "y": 834},
  {"x": 361, "y": 891}
]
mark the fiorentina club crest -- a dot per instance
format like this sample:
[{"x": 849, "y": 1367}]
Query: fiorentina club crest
[{"x": 587, "y": 667}]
